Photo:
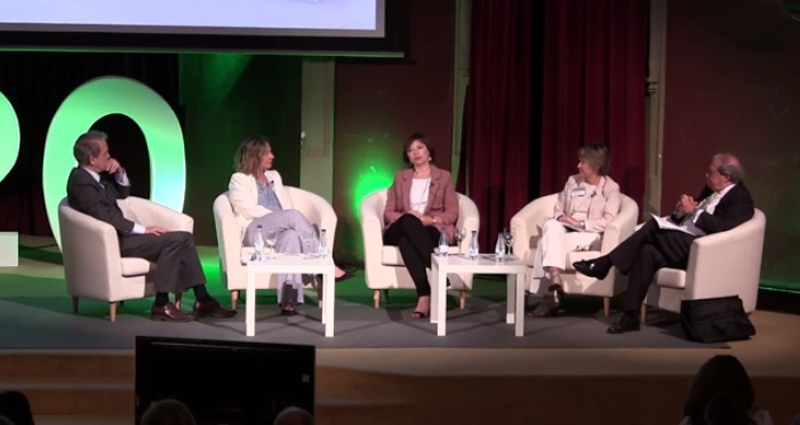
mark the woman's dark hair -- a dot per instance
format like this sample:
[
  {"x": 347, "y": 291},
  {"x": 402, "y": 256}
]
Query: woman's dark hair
[
  {"x": 597, "y": 155},
  {"x": 726, "y": 409},
  {"x": 248, "y": 157},
  {"x": 419, "y": 137},
  {"x": 15, "y": 406},
  {"x": 722, "y": 374}
]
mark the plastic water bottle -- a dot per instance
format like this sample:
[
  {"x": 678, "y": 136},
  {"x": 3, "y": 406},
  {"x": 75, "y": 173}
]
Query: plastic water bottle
[
  {"x": 444, "y": 246},
  {"x": 258, "y": 242},
  {"x": 500, "y": 247},
  {"x": 323, "y": 244},
  {"x": 473, "y": 245}
]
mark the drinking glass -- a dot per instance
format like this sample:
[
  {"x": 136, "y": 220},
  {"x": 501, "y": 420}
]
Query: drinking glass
[
  {"x": 509, "y": 238},
  {"x": 461, "y": 233},
  {"x": 309, "y": 250},
  {"x": 271, "y": 239}
]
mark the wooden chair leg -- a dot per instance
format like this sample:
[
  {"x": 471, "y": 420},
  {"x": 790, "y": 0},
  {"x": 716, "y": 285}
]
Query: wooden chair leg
[
  {"x": 376, "y": 298},
  {"x": 75, "y": 305},
  {"x": 606, "y": 306},
  {"x": 234, "y": 299},
  {"x": 643, "y": 318},
  {"x": 178, "y": 299},
  {"x": 463, "y": 299},
  {"x": 112, "y": 311}
]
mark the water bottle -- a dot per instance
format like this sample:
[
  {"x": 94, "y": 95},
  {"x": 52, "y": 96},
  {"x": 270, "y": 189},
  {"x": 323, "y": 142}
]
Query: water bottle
[
  {"x": 444, "y": 246},
  {"x": 500, "y": 247},
  {"x": 258, "y": 242},
  {"x": 323, "y": 244},
  {"x": 473, "y": 245}
]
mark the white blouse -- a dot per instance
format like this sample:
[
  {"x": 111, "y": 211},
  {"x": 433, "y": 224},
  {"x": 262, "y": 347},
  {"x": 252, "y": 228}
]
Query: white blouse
[{"x": 420, "y": 189}]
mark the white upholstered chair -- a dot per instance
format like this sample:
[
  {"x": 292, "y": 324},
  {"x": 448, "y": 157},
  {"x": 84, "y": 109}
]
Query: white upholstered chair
[
  {"x": 384, "y": 265},
  {"x": 93, "y": 266},
  {"x": 526, "y": 227},
  {"x": 229, "y": 237},
  {"x": 721, "y": 264}
]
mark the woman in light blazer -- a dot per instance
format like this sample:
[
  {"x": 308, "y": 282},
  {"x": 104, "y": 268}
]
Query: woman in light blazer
[
  {"x": 420, "y": 203},
  {"x": 589, "y": 201},
  {"x": 258, "y": 199}
]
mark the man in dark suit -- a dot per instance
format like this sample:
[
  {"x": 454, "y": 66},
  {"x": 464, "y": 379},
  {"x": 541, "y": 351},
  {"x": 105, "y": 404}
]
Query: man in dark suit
[
  {"x": 722, "y": 205},
  {"x": 93, "y": 189}
]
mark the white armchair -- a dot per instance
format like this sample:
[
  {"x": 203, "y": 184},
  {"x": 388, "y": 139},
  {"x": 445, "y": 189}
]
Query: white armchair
[
  {"x": 93, "y": 266},
  {"x": 721, "y": 264},
  {"x": 526, "y": 226},
  {"x": 229, "y": 237},
  {"x": 384, "y": 265}
]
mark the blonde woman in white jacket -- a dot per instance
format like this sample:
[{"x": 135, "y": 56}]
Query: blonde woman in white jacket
[{"x": 258, "y": 199}]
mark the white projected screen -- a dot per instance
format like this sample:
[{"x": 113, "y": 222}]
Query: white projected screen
[{"x": 338, "y": 18}]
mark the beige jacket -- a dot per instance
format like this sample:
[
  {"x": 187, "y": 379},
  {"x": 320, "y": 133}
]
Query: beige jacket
[
  {"x": 597, "y": 206},
  {"x": 243, "y": 193}
]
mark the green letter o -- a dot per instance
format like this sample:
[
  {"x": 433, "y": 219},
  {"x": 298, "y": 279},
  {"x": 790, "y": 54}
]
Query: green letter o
[{"x": 115, "y": 95}]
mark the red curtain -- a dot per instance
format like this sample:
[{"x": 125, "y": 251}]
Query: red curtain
[
  {"x": 595, "y": 68},
  {"x": 497, "y": 113}
]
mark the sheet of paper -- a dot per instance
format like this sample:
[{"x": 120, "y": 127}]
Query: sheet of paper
[{"x": 666, "y": 224}]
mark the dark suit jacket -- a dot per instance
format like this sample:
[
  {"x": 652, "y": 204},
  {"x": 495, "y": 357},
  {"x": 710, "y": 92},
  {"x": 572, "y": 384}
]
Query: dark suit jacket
[
  {"x": 733, "y": 209},
  {"x": 98, "y": 200},
  {"x": 442, "y": 199}
]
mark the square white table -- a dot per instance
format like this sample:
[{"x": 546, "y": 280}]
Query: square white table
[
  {"x": 483, "y": 264},
  {"x": 289, "y": 264}
]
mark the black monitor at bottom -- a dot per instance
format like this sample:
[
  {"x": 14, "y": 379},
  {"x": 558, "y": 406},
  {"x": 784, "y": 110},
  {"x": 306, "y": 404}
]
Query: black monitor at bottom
[{"x": 224, "y": 382}]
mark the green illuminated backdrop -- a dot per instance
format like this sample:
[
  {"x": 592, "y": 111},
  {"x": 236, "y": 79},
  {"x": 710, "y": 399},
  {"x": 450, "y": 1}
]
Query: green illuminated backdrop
[
  {"x": 115, "y": 95},
  {"x": 9, "y": 136}
]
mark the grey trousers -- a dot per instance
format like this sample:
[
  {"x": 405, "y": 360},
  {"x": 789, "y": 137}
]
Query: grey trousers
[{"x": 290, "y": 226}]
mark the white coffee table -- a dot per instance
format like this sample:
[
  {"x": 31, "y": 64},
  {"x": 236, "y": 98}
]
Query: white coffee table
[
  {"x": 484, "y": 264},
  {"x": 289, "y": 264}
]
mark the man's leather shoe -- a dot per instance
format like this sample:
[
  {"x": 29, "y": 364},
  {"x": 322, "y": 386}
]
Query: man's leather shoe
[
  {"x": 597, "y": 268},
  {"x": 169, "y": 313},
  {"x": 211, "y": 308},
  {"x": 625, "y": 324}
]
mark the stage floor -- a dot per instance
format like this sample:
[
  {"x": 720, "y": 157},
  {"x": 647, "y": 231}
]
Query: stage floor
[{"x": 37, "y": 286}]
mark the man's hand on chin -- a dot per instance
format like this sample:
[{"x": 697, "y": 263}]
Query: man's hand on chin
[{"x": 155, "y": 230}]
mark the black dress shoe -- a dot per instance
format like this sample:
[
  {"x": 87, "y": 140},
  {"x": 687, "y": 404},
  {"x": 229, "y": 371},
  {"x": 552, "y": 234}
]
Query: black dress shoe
[
  {"x": 626, "y": 324},
  {"x": 168, "y": 313},
  {"x": 597, "y": 268},
  {"x": 211, "y": 308},
  {"x": 345, "y": 276}
]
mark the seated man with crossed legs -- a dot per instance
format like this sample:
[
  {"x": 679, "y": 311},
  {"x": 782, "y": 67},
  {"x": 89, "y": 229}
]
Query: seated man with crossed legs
[
  {"x": 722, "y": 205},
  {"x": 93, "y": 189}
]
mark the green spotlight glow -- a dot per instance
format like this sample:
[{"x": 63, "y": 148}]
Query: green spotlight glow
[
  {"x": 374, "y": 177},
  {"x": 9, "y": 137},
  {"x": 115, "y": 95}
]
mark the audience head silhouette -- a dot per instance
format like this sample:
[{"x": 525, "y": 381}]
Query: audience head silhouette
[
  {"x": 15, "y": 407},
  {"x": 726, "y": 409},
  {"x": 168, "y": 412},
  {"x": 294, "y": 416},
  {"x": 722, "y": 374}
]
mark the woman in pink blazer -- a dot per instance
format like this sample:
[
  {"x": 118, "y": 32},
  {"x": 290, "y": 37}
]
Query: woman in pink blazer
[{"x": 421, "y": 204}]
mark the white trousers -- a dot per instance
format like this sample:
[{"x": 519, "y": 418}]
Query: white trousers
[{"x": 553, "y": 246}]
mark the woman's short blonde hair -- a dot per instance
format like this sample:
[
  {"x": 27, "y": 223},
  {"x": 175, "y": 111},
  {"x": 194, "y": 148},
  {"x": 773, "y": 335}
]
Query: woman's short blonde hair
[
  {"x": 597, "y": 155},
  {"x": 248, "y": 157},
  {"x": 168, "y": 412}
]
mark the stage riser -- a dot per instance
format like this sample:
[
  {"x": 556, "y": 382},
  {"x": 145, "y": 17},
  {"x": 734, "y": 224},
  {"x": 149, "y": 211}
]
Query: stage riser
[{"x": 102, "y": 387}]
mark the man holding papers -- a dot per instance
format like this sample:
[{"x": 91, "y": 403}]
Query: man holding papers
[{"x": 665, "y": 242}]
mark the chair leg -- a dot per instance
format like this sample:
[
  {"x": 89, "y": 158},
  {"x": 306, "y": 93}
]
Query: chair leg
[
  {"x": 606, "y": 306},
  {"x": 376, "y": 297},
  {"x": 643, "y": 319},
  {"x": 234, "y": 299},
  {"x": 75, "y": 305},
  {"x": 463, "y": 300},
  {"x": 112, "y": 311},
  {"x": 178, "y": 299}
]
